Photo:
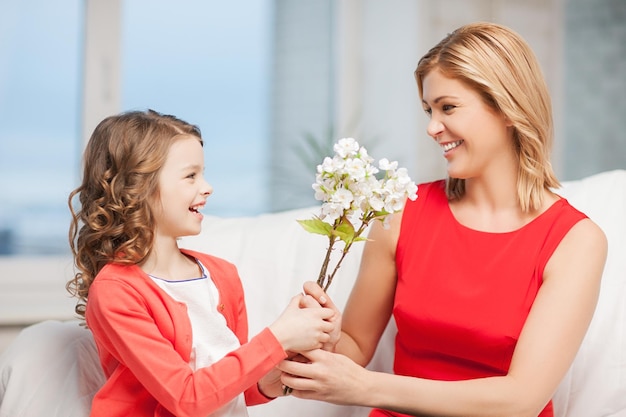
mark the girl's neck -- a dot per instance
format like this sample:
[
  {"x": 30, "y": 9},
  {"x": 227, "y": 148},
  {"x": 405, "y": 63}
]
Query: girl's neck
[{"x": 166, "y": 261}]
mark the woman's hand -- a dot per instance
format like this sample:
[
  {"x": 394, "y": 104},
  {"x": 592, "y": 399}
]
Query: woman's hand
[
  {"x": 315, "y": 295},
  {"x": 326, "y": 376}
]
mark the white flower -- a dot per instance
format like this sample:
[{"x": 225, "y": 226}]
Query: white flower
[
  {"x": 385, "y": 165},
  {"x": 348, "y": 187},
  {"x": 346, "y": 147},
  {"x": 356, "y": 169},
  {"x": 376, "y": 203},
  {"x": 320, "y": 193},
  {"x": 330, "y": 165},
  {"x": 332, "y": 211},
  {"x": 342, "y": 197}
]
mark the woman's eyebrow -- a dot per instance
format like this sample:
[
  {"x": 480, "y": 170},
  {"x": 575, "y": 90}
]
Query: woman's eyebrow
[{"x": 438, "y": 99}]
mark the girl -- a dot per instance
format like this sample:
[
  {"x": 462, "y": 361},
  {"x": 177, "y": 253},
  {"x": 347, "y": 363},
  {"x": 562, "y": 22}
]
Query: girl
[
  {"x": 491, "y": 277},
  {"x": 170, "y": 324}
]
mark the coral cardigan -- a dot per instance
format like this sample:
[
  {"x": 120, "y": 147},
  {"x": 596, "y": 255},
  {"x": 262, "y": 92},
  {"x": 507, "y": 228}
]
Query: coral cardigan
[{"x": 144, "y": 343}]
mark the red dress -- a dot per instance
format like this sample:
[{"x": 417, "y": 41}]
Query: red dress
[{"x": 463, "y": 295}]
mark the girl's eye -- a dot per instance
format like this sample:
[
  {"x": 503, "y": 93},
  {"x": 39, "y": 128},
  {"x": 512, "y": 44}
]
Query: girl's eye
[{"x": 192, "y": 175}]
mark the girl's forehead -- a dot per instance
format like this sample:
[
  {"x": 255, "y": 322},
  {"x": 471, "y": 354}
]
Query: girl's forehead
[{"x": 185, "y": 148}]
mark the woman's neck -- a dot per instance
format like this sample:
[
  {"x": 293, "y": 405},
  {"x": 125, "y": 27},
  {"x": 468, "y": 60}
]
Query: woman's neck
[{"x": 492, "y": 204}]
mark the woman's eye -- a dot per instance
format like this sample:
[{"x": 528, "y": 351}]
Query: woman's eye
[
  {"x": 447, "y": 107},
  {"x": 428, "y": 112}
]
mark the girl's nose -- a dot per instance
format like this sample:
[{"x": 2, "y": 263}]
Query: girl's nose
[
  {"x": 434, "y": 128},
  {"x": 207, "y": 189}
]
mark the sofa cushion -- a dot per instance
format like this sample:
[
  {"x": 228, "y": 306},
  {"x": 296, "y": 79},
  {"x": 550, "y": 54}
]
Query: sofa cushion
[{"x": 595, "y": 385}]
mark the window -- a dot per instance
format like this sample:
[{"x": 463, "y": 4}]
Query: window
[
  {"x": 208, "y": 63},
  {"x": 40, "y": 51}
]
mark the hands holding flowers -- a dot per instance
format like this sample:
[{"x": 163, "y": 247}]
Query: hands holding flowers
[{"x": 350, "y": 190}]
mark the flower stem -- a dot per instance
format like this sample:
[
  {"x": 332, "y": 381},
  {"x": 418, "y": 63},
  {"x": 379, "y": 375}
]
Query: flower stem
[
  {"x": 321, "y": 278},
  {"x": 344, "y": 252}
]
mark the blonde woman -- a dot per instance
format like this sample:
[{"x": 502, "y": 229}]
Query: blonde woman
[{"x": 491, "y": 277}]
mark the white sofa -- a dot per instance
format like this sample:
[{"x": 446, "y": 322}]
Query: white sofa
[{"x": 50, "y": 369}]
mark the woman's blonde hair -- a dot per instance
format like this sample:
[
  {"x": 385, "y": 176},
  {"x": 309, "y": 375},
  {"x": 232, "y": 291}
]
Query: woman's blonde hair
[
  {"x": 498, "y": 64},
  {"x": 121, "y": 165}
]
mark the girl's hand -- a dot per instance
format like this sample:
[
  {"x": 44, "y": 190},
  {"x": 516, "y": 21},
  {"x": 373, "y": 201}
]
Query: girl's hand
[
  {"x": 326, "y": 376},
  {"x": 315, "y": 295},
  {"x": 301, "y": 329},
  {"x": 270, "y": 385}
]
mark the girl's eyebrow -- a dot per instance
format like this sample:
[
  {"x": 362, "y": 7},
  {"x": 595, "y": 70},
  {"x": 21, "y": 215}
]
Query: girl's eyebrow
[{"x": 195, "y": 167}]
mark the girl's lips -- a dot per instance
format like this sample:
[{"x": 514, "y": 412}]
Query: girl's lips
[
  {"x": 195, "y": 210},
  {"x": 196, "y": 213}
]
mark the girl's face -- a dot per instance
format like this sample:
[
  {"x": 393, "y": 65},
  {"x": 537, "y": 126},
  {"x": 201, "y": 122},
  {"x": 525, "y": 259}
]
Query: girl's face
[
  {"x": 182, "y": 190},
  {"x": 474, "y": 138}
]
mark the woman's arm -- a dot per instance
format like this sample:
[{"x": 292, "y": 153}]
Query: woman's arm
[
  {"x": 370, "y": 304},
  {"x": 546, "y": 348}
]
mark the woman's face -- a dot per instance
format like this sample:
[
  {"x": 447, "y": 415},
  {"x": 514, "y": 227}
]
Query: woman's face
[{"x": 475, "y": 139}]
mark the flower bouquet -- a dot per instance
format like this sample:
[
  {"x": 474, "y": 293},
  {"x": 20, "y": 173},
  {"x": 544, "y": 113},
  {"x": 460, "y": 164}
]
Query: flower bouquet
[{"x": 350, "y": 189}]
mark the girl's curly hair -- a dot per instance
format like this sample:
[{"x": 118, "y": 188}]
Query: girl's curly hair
[{"x": 121, "y": 164}]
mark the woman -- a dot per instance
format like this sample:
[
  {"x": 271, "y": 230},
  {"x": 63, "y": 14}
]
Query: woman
[{"x": 491, "y": 277}]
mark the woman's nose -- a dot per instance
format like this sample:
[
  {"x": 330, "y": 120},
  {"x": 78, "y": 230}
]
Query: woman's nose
[{"x": 434, "y": 128}]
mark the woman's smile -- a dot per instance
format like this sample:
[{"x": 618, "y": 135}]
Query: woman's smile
[{"x": 448, "y": 146}]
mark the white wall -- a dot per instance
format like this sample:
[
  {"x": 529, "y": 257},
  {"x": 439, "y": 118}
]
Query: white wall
[
  {"x": 373, "y": 48},
  {"x": 381, "y": 43}
]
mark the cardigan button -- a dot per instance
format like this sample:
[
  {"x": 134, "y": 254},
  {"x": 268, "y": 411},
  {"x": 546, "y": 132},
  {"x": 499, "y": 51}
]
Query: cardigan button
[{"x": 221, "y": 307}]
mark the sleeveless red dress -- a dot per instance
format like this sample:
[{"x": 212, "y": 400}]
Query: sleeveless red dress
[{"x": 463, "y": 295}]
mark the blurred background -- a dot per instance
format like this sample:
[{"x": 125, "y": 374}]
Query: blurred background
[{"x": 272, "y": 84}]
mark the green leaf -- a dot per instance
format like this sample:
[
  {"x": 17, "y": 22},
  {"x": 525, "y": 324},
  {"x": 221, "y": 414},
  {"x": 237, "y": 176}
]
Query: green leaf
[
  {"x": 345, "y": 231},
  {"x": 316, "y": 226}
]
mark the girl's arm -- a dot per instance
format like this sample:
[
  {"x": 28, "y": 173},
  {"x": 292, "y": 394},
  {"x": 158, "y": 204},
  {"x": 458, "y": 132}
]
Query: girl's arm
[
  {"x": 546, "y": 348},
  {"x": 146, "y": 345},
  {"x": 136, "y": 356}
]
